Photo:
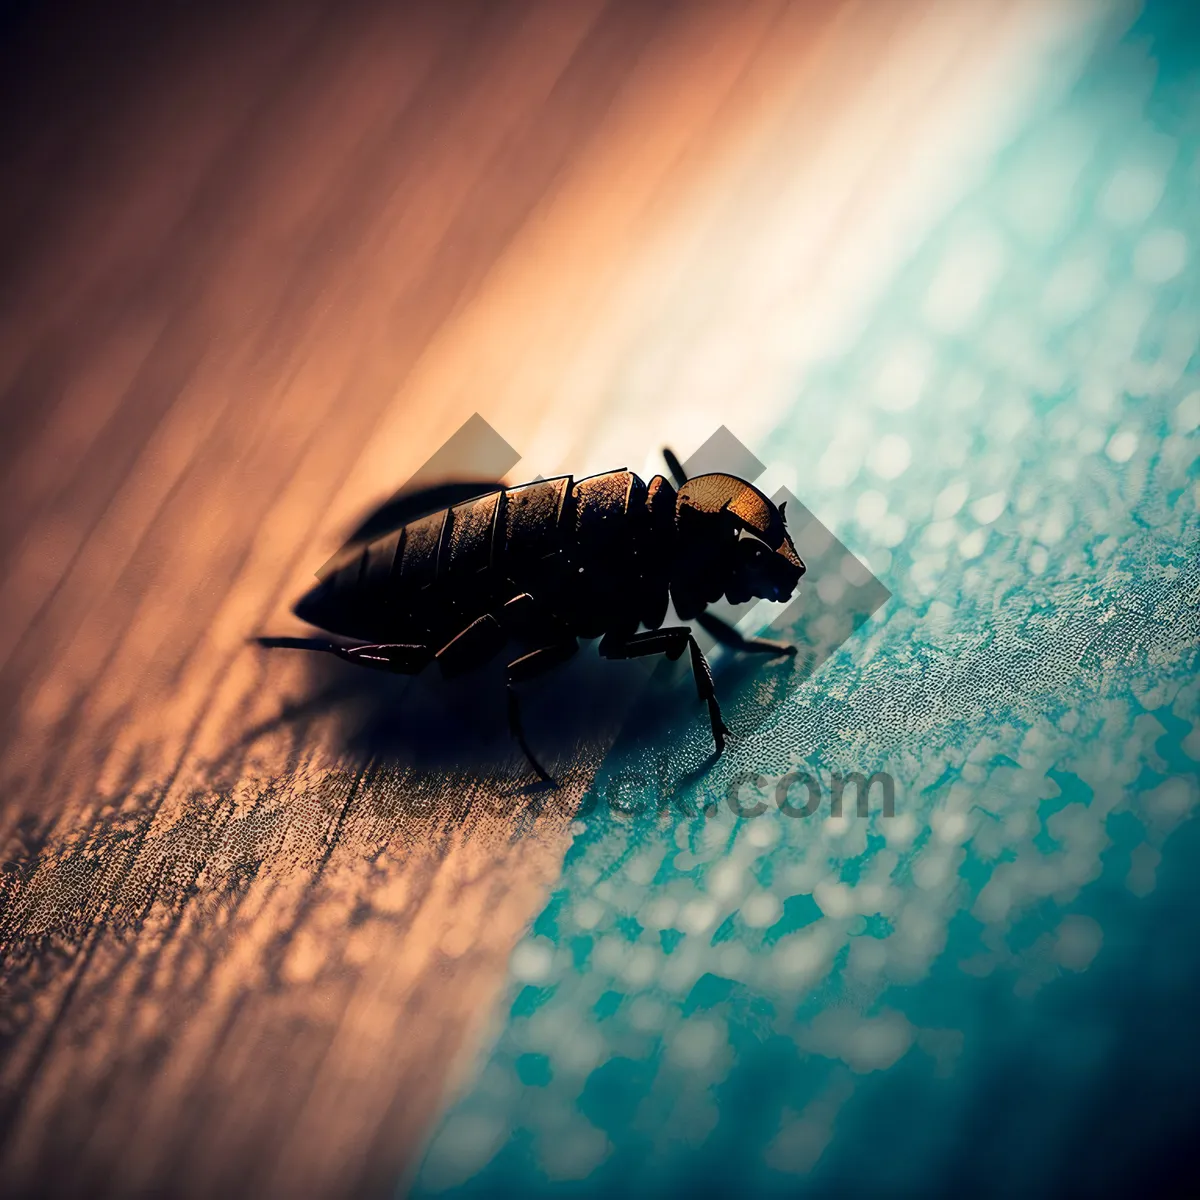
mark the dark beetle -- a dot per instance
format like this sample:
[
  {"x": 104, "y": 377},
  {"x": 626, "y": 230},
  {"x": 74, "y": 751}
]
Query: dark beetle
[{"x": 452, "y": 572}]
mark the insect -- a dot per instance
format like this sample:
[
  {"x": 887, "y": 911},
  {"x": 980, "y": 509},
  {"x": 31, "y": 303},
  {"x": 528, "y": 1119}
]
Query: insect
[{"x": 451, "y": 574}]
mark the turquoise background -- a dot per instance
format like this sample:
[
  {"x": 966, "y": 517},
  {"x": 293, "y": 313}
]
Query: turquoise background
[{"x": 993, "y": 991}]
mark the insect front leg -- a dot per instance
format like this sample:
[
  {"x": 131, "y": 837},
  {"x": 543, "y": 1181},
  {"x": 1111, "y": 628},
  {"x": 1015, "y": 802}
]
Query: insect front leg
[
  {"x": 672, "y": 642},
  {"x": 729, "y": 636}
]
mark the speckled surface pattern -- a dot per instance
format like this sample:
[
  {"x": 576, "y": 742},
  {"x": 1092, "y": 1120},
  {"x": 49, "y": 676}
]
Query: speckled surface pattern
[{"x": 991, "y": 991}]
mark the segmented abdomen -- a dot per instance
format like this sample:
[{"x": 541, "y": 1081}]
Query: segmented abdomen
[{"x": 588, "y": 550}]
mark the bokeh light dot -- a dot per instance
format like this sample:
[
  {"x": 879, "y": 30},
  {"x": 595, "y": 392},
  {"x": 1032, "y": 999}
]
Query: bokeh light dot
[
  {"x": 1122, "y": 446},
  {"x": 890, "y": 456},
  {"x": 1160, "y": 255},
  {"x": 1132, "y": 194}
]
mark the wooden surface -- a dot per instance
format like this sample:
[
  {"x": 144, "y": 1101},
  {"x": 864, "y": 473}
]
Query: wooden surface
[{"x": 256, "y": 264}]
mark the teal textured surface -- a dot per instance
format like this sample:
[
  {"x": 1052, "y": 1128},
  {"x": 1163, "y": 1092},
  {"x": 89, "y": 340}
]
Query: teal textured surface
[{"x": 990, "y": 991}]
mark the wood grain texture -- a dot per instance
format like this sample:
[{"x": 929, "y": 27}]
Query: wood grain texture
[{"x": 257, "y": 263}]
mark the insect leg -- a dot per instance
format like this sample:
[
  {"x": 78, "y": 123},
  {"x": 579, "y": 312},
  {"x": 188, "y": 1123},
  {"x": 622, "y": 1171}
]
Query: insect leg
[
  {"x": 672, "y": 642},
  {"x": 727, "y": 635},
  {"x": 472, "y": 647},
  {"x": 702, "y": 674},
  {"x": 528, "y": 666},
  {"x": 399, "y": 658},
  {"x": 529, "y": 620}
]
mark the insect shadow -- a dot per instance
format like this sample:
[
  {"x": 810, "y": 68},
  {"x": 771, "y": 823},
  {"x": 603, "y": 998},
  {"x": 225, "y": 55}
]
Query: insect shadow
[{"x": 434, "y": 726}]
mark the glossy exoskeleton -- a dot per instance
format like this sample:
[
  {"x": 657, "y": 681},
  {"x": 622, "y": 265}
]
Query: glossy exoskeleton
[{"x": 452, "y": 573}]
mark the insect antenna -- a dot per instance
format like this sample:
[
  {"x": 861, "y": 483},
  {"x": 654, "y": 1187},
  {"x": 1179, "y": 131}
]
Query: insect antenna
[{"x": 675, "y": 467}]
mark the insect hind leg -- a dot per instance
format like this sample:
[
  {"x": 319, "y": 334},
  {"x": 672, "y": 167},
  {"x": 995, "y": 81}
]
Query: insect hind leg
[
  {"x": 529, "y": 666},
  {"x": 396, "y": 658}
]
